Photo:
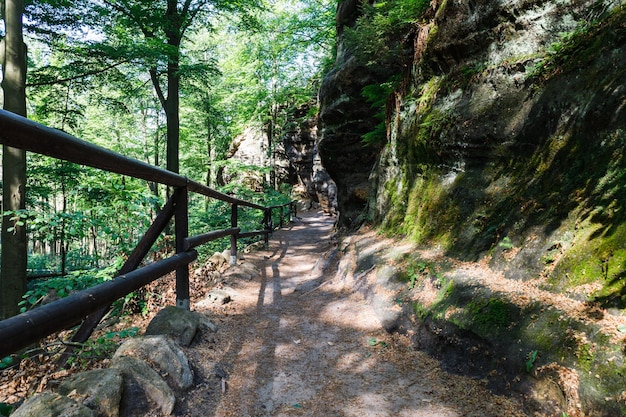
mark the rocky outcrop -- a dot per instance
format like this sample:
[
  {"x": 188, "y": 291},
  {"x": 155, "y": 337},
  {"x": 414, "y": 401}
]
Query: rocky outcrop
[
  {"x": 308, "y": 174},
  {"x": 345, "y": 116},
  {"x": 247, "y": 156},
  {"x": 295, "y": 161},
  {"x": 505, "y": 143},
  {"x": 500, "y": 116}
]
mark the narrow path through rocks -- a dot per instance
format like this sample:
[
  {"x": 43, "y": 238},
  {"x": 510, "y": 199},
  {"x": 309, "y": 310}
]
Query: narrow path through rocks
[{"x": 295, "y": 343}]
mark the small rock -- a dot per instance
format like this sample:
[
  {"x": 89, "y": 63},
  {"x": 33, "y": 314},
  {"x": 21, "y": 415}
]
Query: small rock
[
  {"x": 254, "y": 247},
  {"x": 244, "y": 271},
  {"x": 52, "y": 404},
  {"x": 218, "y": 297},
  {"x": 218, "y": 260}
]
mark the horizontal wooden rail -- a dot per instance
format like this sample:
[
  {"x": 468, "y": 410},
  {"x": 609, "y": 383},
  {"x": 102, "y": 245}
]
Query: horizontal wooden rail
[
  {"x": 192, "y": 242},
  {"x": 253, "y": 233},
  {"x": 29, "y": 327},
  {"x": 19, "y": 132},
  {"x": 92, "y": 304}
]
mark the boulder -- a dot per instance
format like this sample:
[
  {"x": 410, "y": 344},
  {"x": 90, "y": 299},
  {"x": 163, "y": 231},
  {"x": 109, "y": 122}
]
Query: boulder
[
  {"x": 161, "y": 352},
  {"x": 180, "y": 324},
  {"x": 244, "y": 271},
  {"x": 139, "y": 376},
  {"x": 52, "y": 404},
  {"x": 99, "y": 389}
]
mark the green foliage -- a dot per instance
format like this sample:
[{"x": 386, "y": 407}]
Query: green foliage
[
  {"x": 377, "y": 34},
  {"x": 60, "y": 287},
  {"x": 101, "y": 348},
  {"x": 377, "y": 96},
  {"x": 6, "y": 362},
  {"x": 414, "y": 271},
  {"x": 5, "y": 409},
  {"x": 530, "y": 360},
  {"x": 372, "y": 341},
  {"x": 17, "y": 217},
  {"x": 598, "y": 34},
  {"x": 506, "y": 243}
]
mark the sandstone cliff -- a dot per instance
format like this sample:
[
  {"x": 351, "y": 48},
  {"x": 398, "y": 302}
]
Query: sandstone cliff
[{"x": 504, "y": 142}]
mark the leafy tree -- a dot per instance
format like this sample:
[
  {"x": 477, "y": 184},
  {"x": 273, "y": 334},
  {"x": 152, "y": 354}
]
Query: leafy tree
[
  {"x": 14, "y": 258},
  {"x": 93, "y": 75},
  {"x": 277, "y": 68},
  {"x": 163, "y": 26}
]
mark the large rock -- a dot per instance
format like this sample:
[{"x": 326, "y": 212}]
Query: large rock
[
  {"x": 180, "y": 324},
  {"x": 140, "y": 378},
  {"x": 345, "y": 116},
  {"x": 99, "y": 389},
  {"x": 51, "y": 404},
  {"x": 163, "y": 353}
]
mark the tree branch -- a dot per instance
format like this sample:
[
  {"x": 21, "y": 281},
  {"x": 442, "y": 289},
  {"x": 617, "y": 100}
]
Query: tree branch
[
  {"x": 157, "y": 86},
  {"x": 77, "y": 77}
]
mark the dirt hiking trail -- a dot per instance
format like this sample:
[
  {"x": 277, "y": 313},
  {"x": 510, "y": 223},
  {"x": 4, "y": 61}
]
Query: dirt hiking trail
[{"x": 293, "y": 342}]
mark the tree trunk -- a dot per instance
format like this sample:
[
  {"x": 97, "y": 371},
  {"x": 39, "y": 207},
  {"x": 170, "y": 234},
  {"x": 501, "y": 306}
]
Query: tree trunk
[
  {"x": 172, "y": 103},
  {"x": 14, "y": 243},
  {"x": 64, "y": 245}
]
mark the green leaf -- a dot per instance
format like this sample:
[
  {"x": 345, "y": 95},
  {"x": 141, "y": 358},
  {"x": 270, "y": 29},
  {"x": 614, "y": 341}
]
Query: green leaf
[
  {"x": 6, "y": 362},
  {"x": 622, "y": 328},
  {"x": 5, "y": 409}
]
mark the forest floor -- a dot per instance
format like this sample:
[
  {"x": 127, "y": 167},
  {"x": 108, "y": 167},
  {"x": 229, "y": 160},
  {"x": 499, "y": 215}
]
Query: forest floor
[{"x": 296, "y": 341}]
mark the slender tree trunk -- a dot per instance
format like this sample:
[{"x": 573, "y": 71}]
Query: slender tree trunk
[
  {"x": 62, "y": 237},
  {"x": 14, "y": 243},
  {"x": 172, "y": 103},
  {"x": 209, "y": 168},
  {"x": 208, "y": 152}
]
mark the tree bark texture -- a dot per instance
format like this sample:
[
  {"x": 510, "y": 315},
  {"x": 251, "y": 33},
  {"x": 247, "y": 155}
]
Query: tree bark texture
[{"x": 14, "y": 244}]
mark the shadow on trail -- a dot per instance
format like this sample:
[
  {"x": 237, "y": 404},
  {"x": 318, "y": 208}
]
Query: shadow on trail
[{"x": 317, "y": 352}]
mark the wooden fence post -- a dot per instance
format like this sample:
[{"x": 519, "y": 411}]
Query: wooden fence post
[
  {"x": 182, "y": 230},
  {"x": 233, "y": 238}
]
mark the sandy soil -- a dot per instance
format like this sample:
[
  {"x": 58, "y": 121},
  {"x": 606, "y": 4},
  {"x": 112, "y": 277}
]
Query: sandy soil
[{"x": 292, "y": 343}]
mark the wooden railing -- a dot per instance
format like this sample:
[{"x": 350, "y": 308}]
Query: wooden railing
[{"x": 90, "y": 305}]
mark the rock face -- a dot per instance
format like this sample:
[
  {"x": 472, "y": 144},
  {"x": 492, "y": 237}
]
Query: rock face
[
  {"x": 295, "y": 159},
  {"x": 492, "y": 133},
  {"x": 301, "y": 150},
  {"x": 492, "y": 87},
  {"x": 505, "y": 142},
  {"x": 345, "y": 116}
]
